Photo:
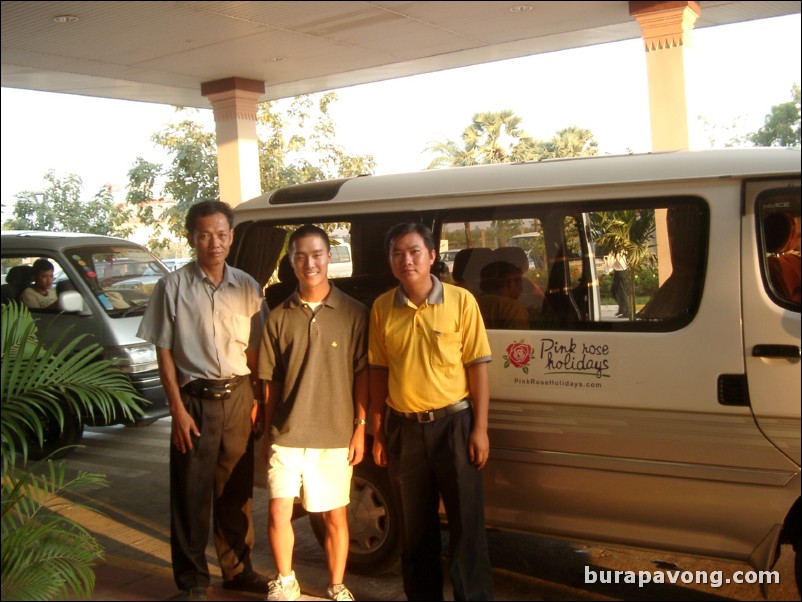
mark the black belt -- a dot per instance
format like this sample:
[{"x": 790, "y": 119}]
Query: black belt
[
  {"x": 432, "y": 415},
  {"x": 213, "y": 389}
]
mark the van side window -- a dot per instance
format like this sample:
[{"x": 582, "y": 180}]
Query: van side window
[
  {"x": 358, "y": 266},
  {"x": 19, "y": 282},
  {"x": 618, "y": 265},
  {"x": 778, "y": 220},
  {"x": 612, "y": 265}
]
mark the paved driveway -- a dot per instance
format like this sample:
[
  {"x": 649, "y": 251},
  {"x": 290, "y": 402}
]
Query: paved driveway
[{"x": 134, "y": 529}]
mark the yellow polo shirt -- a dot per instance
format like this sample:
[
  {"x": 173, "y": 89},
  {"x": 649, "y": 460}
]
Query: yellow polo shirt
[{"x": 426, "y": 349}]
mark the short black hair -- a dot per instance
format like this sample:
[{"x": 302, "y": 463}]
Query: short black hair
[
  {"x": 42, "y": 265},
  {"x": 309, "y": 230},
  {"x": 204, "y": 209},
  {"x": 405, "y": 228}
]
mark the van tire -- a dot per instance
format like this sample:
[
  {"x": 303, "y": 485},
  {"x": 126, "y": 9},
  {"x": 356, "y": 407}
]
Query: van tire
[
  {"x": 56, "y": 442},
  {"x": 373, "y": 523}
]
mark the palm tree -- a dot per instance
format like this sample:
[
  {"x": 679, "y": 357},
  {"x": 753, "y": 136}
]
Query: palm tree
[
  {"x": 490, "y": 138},
  {"x": 630, "y": 233},
  {"x": 46, "y": 556},
  {"x": 499, "y": 138},
  {"x": 569, "y": 142}
]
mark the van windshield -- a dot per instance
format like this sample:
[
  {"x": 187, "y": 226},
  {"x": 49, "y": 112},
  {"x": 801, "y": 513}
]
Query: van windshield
[{"x": 121, "y": 277}]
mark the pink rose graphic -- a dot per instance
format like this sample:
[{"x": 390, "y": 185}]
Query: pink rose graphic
[{"x": 518, "y": 354}]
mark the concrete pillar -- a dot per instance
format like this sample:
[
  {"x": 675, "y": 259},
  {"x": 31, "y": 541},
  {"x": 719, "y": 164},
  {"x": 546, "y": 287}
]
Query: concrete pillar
[
  {"x": 234, "y": 103},
  {"x": 666, "y": 28}
]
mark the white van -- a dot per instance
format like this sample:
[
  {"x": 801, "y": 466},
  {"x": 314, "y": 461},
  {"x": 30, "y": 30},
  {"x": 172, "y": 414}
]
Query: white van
[
  {"x": 103, "y": 287},
  {"x": 675, "y": 426},
  {"x": 340, "y": 265}
]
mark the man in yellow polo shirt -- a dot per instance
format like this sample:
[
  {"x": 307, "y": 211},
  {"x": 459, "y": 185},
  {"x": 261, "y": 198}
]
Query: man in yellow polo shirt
[{"x": 429, "y": 395}]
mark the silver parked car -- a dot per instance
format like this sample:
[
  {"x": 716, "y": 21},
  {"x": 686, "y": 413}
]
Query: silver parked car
[{"x": 103, "y": 285}]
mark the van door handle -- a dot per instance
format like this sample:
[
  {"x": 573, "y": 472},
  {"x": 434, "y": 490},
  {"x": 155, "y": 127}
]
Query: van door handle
[{"x": 791, "y": 352}]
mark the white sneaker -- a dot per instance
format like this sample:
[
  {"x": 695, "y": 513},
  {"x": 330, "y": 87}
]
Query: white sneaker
[
  {"x": 283, "y": 588},
  {"x": 339, "y": 592}
]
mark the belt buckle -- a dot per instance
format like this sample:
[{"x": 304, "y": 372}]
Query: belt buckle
[
  {"x": 425, "y": 417},
  {"x": 214, "y": 392}
]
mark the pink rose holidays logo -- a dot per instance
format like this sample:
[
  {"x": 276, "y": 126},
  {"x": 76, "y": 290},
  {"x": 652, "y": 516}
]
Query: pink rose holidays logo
[{"x": 519, "y": 354}]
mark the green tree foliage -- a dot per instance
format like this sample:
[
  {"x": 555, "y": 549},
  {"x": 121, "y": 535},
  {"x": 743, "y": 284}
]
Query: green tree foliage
[
  {"x": 59, "y": 208},
  {"x": 46, "y": 555},
  {"x": 782, "y": 125},
  {"x": 490, "y": 138},
  {"x": 569, "y": 142},
  {"x": 190, "y": 177},
  {"x": 630, "y": 233},
  {"x": 296, "y": 145},
  {"x": 499, "y": 138}
]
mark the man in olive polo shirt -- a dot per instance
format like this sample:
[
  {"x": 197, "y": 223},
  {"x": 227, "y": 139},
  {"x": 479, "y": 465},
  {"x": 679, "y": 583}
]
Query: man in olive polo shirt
[
  {"x": 429, "y": 396},
  {"x": 314, "y": 360}
]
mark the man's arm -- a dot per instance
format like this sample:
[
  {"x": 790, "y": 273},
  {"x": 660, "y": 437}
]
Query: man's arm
[
  {"x": 257, "y": 422},
  {"x": 183, "y": 426},
  {"x": 378, "y": 379},
  {"x": 479, "y": 442},
  {"x": 272, "y": 397},
  {"x": 356, "y": 450}
]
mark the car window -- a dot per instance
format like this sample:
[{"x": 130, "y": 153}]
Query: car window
[
  {"x": 121, "y": 277},
  {"x": 778, "y": 222},
  {"x": 18, "y": 276},
  {"x": 588, "y": 266}
]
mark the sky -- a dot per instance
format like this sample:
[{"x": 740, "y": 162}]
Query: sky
[{"x": 734, "y": 75}]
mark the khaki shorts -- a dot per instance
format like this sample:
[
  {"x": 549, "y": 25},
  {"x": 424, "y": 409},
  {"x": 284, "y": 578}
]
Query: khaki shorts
[{"x": 321, "y": 477}]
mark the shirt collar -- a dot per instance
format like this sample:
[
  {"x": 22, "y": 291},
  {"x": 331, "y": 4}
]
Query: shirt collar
[
  {"x": 435, "y": 295},
  {"x": 197, "y": 272},
  {"x": 331, "y": 300}
]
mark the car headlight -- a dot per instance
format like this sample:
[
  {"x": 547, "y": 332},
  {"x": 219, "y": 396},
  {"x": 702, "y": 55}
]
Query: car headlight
[{"x": 133, "y": 358}]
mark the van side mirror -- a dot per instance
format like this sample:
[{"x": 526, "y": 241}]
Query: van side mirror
[{"x": 73, "y": 302}]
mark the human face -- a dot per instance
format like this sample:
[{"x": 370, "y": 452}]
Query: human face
[
  {"x": 310, "y": 261},
  {"x": 211, "y": 240},
  {"x": 411, "y": 261},
  {"x": 43, "y": 280}
]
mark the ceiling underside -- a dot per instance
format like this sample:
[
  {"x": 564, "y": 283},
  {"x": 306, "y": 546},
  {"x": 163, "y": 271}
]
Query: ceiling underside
[{"x": 163, "y": 51}]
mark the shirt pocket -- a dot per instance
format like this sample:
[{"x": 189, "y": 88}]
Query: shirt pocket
[
  {"x": 447, "y": 349},
  {"x": 240, "y": 329}
]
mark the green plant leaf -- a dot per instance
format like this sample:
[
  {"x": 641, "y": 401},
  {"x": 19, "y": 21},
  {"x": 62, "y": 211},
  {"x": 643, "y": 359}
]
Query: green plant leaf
[{"x": 47, "y": 555}]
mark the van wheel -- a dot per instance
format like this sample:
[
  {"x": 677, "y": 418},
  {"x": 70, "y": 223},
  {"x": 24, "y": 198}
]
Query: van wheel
[
  {"x": 373, "y": 525},
  {"x": 56, "y": 441}
]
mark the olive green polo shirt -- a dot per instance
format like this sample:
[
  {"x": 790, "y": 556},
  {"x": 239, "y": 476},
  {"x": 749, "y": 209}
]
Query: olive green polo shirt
[
  {"x": 427, "y": 349},
  {"x": 315, "y": 355}
]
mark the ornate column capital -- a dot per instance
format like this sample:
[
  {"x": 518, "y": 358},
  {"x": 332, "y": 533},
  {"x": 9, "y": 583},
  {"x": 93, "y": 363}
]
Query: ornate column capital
[
  {"x": 665, "y": 24},
  {"x": 233, "y": 97}
]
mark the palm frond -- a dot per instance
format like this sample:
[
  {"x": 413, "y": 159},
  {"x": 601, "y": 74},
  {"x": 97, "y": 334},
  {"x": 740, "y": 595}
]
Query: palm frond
[
  {"x": 45, "y": 554},
  {"x": 38, "y": 381}
]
